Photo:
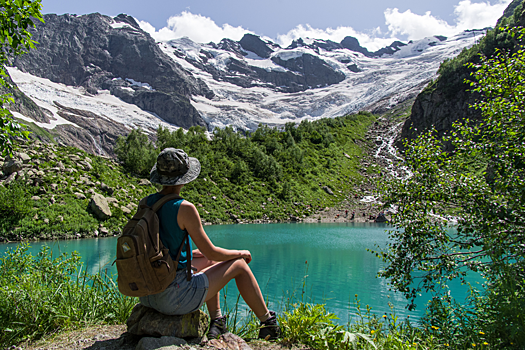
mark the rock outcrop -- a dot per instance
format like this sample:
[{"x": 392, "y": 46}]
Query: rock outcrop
[
  {"x": 447, "y": 99},
  {"x": 146, "y": 321},
  {"x": 100, "y": 207},
  {"x": 100, "y": 52}
]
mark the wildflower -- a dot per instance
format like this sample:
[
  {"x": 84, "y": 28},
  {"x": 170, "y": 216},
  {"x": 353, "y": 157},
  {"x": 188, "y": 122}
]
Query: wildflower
[
  {"x": 434, "y": 327},
  {"x": 480, "y": 332},
  {"x": 447, "y": 344},
  {"x": 473, "y": 345},
  {"x": 373, "y": 331},
  {"x": 384, "y": 316},
  {"x": 485, "y": 343}
]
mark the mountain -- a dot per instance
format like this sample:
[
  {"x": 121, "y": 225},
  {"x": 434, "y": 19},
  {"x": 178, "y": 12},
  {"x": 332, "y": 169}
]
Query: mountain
[
  {"x": 447, "y": 99},
  {"x": 94, "y": 77}
]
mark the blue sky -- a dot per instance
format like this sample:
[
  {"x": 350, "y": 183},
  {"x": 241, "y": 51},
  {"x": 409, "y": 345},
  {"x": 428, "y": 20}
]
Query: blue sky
[{"x": 375, "y": 23}]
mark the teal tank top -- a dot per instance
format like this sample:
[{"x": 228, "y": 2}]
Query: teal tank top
[{"x": 171, "y": 234}]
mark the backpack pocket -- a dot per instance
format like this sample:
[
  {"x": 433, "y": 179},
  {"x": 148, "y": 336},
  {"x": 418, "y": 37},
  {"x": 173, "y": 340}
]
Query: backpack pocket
[{"x": 132, "y": 280}]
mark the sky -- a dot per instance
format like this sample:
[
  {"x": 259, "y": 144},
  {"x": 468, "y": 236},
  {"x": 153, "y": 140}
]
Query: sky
[{"x": 375, "y": 23}]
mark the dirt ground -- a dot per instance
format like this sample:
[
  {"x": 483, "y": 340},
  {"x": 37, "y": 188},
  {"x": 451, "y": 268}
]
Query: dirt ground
[{"x": 114, "y": 337}]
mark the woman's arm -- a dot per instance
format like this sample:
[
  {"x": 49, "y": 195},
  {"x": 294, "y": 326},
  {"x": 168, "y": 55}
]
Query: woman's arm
[{"x": 190, "y": 220}]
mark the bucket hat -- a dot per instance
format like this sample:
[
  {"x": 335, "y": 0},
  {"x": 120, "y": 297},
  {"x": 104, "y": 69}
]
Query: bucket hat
[{"x": 174, "y": 167}]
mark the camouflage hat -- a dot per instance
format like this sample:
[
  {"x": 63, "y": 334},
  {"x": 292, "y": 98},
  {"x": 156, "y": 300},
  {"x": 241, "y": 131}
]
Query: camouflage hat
[{"x": 174, "y": 167}]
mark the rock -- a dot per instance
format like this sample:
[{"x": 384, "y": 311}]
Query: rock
[
  {"x": 144, "y": 182},
  {"x": 99, "y": 52},
  {"x": 328, "y": 190},
  {"x": 229, "y": 341},
  {"x": 46, "y": 221},
  {"x": 112, "y": 200},
  {"x": 125, "y": 210},
  {"x": 24, "y": 157},
  {"x": 106, "y": 189},
  {"x": 10, "y": 178},
  {"x": 255, "y": 44},
  {"x": 35, "y": 198},
  {"x": 79, "y": 195},
  {"x": 87, "y": 166},
  {"x": 99, "y": 206},
  {"x": 131, "y": 206},
  {"x": 149, "y": 343},
  {"x": 12, "y": 166},
  {"x": 146, "y": 321}
]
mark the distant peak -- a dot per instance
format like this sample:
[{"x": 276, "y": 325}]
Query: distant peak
[{"x": 127, "y": 19}]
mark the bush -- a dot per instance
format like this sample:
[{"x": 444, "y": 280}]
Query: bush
[{"x": 42, "y": 295}]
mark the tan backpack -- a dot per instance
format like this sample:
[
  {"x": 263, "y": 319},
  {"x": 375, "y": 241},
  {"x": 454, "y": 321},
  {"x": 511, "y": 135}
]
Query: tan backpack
[{"x": 144, "y": 265}]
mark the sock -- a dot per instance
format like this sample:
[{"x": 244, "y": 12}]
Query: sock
[
  {"x": 264, "y": 317},
  {"x": 215, "y": 314}
]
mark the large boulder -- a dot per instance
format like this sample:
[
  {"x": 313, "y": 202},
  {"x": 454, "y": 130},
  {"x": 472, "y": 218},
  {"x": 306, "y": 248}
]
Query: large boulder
[
  {"x": 12, "y": 166},
  {"x": 146, "y": 321},
  {"x": 99, "y": 206}
]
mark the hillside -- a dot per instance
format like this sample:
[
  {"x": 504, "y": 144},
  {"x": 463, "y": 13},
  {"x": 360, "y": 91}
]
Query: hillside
[
  {"x": 270, "y": 175},
  {"x": 447, "y": 99}
]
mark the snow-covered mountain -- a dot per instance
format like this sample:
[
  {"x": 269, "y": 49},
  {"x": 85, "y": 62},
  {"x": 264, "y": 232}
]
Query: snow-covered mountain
[{"x": 99, "y": 76}]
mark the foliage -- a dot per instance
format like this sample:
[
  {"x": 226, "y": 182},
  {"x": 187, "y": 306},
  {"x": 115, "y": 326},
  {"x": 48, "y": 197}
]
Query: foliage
[
  {"x": 54, "y": 203},
  {"x": 136, "y": 152},
  {"x": 454, "y": 71},
  {"x": 312, "y": 325},
  {"x": 481, "y": 182},
  {"x": 45, "y": 294},
  {"x": 15, "y": 204},
  {"x": 16, "y": 17},
  {"x": 270, "y": 173}
]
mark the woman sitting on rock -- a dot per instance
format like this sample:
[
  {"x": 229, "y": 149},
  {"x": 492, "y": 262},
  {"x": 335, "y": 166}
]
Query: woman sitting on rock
[{"x": 215, "y": 266}]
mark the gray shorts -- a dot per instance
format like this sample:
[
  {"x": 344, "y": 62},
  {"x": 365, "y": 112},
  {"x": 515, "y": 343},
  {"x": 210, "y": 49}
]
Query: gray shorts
[{"x": 181, "y": 297}]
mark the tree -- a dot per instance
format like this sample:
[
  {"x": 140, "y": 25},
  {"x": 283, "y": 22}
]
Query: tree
[
  {"x": 16, "y": 17},
  {"x": 482, "y": 183},
  {"x": 136, "y": 152}
]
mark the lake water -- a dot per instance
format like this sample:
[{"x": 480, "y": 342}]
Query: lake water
[{"x": 331, "y": 260}]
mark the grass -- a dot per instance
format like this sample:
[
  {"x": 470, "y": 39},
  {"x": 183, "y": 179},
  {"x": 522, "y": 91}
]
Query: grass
[
  {"x": 43, "y": 294},
  {"x": 250, "y": 178}
]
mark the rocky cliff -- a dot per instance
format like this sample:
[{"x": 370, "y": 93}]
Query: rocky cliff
[
  {"x": 93, "y": 78},
  {"x": 102, "y": 53},
  {"x": 447, "y": 99}
]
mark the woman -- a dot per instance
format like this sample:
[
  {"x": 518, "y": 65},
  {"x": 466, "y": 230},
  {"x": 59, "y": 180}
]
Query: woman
[{"x": 215, "y": 266}]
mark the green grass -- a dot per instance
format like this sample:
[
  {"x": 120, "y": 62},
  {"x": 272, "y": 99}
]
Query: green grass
[
  {"x": 271, "y": 174},
  {"x": 43, "y": 294}
]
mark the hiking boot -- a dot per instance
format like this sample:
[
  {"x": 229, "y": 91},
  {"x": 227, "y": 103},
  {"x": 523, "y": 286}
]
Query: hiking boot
[
  {"x": 270, "y": 330},
  {"x": 217, "y": 327}
]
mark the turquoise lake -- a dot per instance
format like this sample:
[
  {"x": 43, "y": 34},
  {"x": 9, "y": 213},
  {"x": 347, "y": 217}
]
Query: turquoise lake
[{"x": 332, "y": 260}]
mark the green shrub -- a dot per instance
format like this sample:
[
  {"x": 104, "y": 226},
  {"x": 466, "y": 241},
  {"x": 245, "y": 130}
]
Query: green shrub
[{"x": 45, "y": 294}]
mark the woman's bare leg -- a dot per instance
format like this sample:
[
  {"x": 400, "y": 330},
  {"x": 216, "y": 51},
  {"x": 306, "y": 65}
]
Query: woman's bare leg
[
  {"x": 202, "y": 264},
  {"x": 220, "y": 274}
]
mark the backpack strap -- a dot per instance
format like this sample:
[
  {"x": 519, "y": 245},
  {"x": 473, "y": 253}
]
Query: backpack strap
[
  {"x": 169, "y": 197},
  {"x": 156, "y": 207}
]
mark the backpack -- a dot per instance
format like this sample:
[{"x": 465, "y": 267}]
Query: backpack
[{"x": 144, "y": 265}]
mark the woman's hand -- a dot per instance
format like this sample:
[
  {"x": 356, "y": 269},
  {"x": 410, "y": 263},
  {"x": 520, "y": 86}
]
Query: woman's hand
[
  {"x": 246, "y": 255},
  {"x": 197, "y": 253}
]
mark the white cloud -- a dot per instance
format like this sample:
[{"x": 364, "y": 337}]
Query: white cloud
[
  {"x": 469, "y": 16},
  {"x": 406, "y": 24},
  {"x": 369, "y": 41},
  {"x": 198, "y": 28}
]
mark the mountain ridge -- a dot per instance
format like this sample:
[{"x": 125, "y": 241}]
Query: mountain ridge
[{"x": 112, "y": 69}]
